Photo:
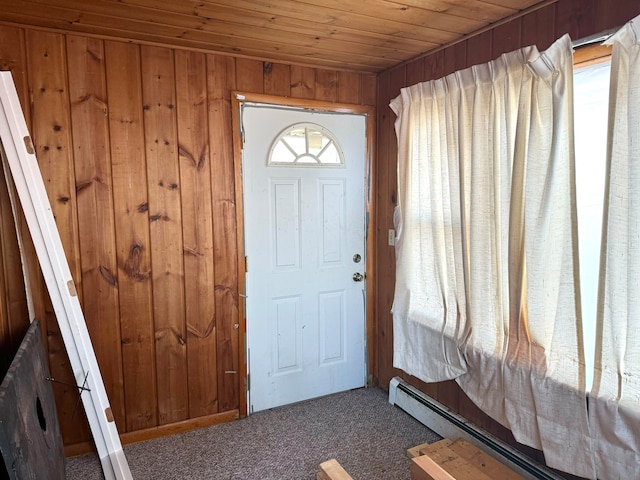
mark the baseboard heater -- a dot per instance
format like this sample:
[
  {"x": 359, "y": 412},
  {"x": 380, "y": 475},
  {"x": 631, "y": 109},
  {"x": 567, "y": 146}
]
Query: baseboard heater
[{"x": 449, "y": 424}]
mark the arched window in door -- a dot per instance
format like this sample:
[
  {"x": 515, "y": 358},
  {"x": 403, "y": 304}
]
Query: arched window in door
[{"x": 306, "y": 144}]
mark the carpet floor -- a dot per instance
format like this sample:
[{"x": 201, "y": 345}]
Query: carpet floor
[{"x": 359, "y": 428}]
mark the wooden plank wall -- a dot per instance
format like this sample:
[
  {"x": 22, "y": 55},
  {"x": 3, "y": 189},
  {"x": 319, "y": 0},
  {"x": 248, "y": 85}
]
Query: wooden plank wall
[
  {"x": 579, "y": 18},
  {"x": 136, "y": 149}
]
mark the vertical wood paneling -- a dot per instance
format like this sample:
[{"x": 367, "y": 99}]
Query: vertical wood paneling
[
  {"x": 195, "y": 174},
  {"x": 165, "y": 215},
  {"x": 384, "y": 285},
  {"x": 479, "y": 49},
  {"x": 14, "y": 319},
  {"x": 221, "y": 80},
  {"x": 506, "y": 38},
  {"x": 303, "y": 82},
  {"x": 326, "y": 85},
  {"x": 455, "y": 57},
  {"x": 434, "y": 66},
  {"x": 575, "y": 18},
  {"x": 415, "y": 71},
  {"x": 277, "y": 79},
  {"x": 348, "y": 87},
  {"x": 249, "y": 75},
  {"x": 51, "y": 130},
  {"x": 536, "y": 28},
  {"x": 92, "y": 160},
  {"x": 13, "y": 58},
  {"x": 131, "y": 215},
  {"x": 607, "y": 17},
  {"x": 368, "y": 89},
  {"x": 52, "y": 127}
]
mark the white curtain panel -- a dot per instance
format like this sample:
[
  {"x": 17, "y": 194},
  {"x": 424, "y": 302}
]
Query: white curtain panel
[
  {"x": 614, "y": 403},
  {"x": 486, "y": 274}
]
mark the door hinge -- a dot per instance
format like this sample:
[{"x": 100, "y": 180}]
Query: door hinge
[
  {"x": 246, "y": 264},
  {"x": 247, "y": 382}
]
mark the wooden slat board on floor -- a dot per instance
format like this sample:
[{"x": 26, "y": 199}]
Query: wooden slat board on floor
[
  {"x": 457, "y": 458},
  {"x": 332, "y": 470}
]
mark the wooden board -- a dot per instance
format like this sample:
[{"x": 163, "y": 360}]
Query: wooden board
[
  {"x": 88, "y": 93},
  {"x": 221, "y": 79},
  {"x": 332, "y": 470},
  {"x": 30, "y": 439},
  {"x": 440, "y": 460},
  {"x": 131, "y": 214},
  {"x": 197, "y": 231},
  {"x": 165, "y": 230}
]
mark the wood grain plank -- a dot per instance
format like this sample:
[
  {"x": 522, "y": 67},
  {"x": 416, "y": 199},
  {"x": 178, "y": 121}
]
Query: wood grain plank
[
  {"x": 249, "y": 75},
  {"x": 384, "y": 164},
  {"x": 607, "y": 17},
  {"x": 373, "y": 10},
  {"x": 325, "y": 14},
  {"x": 303, "y": 82},
  {"x": 486, "y": 464},
  {"x": 326, "y": 85},
  {"x": 575, "y": 18},
  {"x": 332, "y": 470},
  {"x": 479, "y": 50},
  {"x": 88, "y": 94},
  {"x": 415, "y": 71},
  {"x": 348, "y": 87},
  {"x": 455, "y": 57},
  {"x": 368, "y": 89},
  {"x": 165, "y": 215},
  {"x": 484, "y": 11},
  {"x": 382, "y": 368},
  {"x": 434, "y": 66},
  {"x": 15, "y": 318},
  {"x": 51, "y": 131},
  {"x": 13, "y": 58},
  {"x": 537, "y": 28},
  {"x": 195, "y": 172},
  {"x": 222, "y": 24},
  {"x": 277, "y": 79},
  {"x": 131, "y": 214},
  {"x": 506, "y": 38},
  {"x": 221, "y": 79}
]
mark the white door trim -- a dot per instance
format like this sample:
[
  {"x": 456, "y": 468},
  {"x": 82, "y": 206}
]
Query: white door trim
[{"x": 237, "y": 101}]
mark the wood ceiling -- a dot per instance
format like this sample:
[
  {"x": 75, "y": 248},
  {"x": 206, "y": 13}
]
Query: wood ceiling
[{"x": 359, "y": 35}]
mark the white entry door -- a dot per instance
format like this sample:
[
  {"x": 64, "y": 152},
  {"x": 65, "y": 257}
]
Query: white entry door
[{"x": 304, "y": 220}]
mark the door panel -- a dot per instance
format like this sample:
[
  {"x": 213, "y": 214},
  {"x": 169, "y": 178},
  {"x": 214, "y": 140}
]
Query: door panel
[{"x": 303, "y": 226}]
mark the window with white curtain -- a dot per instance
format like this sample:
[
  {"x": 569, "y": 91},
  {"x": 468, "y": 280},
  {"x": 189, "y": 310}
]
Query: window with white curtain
[
  {"x": 591, "y": 103},
  {"x": 497, "y": 204}
]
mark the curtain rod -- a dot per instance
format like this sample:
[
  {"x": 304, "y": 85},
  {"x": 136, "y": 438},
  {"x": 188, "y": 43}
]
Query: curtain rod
[{"x": 595, "y": 38}]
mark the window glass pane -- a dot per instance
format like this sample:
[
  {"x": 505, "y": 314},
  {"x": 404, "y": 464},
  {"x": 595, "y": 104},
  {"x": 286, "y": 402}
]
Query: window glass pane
[
  {"x": 591, "y": 100},
  {"x": 306, "y": 144},
  {"x": 330, "y": 155},
  {"x": 307, "y": 159},
  {"x": 281, "y": 154}
]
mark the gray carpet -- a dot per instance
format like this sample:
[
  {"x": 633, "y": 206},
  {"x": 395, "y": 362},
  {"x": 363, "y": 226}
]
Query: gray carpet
[{"x": 359, "y": 428}]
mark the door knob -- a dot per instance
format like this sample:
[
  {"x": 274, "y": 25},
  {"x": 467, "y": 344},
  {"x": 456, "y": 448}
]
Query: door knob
[{"x": 358, "y": 277}]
